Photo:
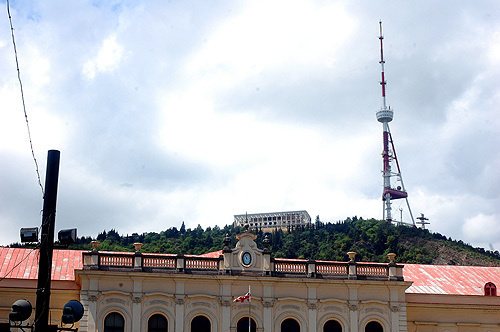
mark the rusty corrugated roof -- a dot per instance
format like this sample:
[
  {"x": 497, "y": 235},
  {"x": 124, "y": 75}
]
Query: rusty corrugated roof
[
  {"x": 22, "y": 263},
  {"x": 450, "y": 279}
]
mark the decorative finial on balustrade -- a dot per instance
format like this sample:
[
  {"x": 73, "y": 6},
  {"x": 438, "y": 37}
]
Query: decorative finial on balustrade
[
  {"x": 227, "y": 243},
  {"x": 391, "y": 257},
  {"x": 352, "y": 256},
  {"x": 138, "y": 246},
  {"x": 246, "y": 225},
  {"x": 266, "y": 242},
  {"x": 95, "y": 245}
]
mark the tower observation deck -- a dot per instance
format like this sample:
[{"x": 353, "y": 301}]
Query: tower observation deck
[{"x": 384, "y": 116}]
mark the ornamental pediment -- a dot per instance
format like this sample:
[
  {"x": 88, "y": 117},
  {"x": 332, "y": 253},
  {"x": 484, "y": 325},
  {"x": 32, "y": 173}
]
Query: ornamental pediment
[{"x": 246, "y": 257}]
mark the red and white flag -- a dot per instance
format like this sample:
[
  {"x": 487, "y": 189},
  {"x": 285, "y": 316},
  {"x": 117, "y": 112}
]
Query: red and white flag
[{"x": 243, "y": 298}]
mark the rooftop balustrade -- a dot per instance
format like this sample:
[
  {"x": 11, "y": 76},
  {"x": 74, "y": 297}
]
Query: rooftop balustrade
[{"x": 279, "y": 267}]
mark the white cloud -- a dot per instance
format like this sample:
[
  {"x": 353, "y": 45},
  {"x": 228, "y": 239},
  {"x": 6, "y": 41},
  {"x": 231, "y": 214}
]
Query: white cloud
[
  {"x": 493, "y": 52},
  {"x": 107, "y": 59},
  {"x": 483, "y": 229},
  {"x": 207, "y": 110},
  {"x": 271, "y": 36},
  {"x": 37, "y": 69},
  {"x": 12, "y": 124}
]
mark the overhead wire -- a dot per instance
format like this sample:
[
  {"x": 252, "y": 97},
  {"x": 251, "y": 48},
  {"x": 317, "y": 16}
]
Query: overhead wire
[
  {"x": 29, "y": 136},
  {"x": 22, "y": 98},
  {"x": 19, "y": 263}
]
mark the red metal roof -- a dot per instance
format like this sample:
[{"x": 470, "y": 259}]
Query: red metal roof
[
  {"x": 22, "y": 263},
  {"x": 450, "y": 279},
  {"x": 213, "y": 254}
]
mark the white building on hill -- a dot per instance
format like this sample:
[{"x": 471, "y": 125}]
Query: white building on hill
[{"x": 273, "y": 220}]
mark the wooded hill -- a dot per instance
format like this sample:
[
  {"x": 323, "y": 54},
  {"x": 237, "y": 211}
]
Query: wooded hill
[{"x": 371, "y": 239}]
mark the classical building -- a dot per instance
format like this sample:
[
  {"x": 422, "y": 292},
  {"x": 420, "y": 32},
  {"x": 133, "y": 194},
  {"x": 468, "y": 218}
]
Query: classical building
[
  {"x": 273, "y": 220},
  {"x": 185, "y": 293}
]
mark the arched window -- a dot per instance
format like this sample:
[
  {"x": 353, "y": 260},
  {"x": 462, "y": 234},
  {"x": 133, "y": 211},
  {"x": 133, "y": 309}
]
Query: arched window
[
  {"x": 114, "y": 322},
  {"x": 290, "y": 325},
  {"x": 200, "y": 324},
  {"x": 490, "y": 289},
  {"x": 332, "y": 326},
  {"x": 157, "y": 323},
  {"x": 374, "y": 327},
  {"x": 242, "y": 325}
]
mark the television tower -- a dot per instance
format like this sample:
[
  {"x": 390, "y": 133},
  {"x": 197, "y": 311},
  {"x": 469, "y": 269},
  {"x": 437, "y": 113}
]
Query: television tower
[{"x": 385, "y": 115}]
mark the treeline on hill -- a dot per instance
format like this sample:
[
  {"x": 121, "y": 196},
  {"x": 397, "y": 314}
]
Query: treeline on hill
[{"x": 371, "y": 239}]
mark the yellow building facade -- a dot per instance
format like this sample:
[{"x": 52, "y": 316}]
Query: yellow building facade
[{"x": 177, "y": 293}]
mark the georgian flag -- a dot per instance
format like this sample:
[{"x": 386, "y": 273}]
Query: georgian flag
[{"x": 243, "y": 298}]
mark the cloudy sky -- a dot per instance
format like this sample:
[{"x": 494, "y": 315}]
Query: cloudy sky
[{"x": 171, "y": 111}]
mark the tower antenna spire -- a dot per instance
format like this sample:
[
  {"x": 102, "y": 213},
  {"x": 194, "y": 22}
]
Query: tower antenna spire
[
  {"x": 385, "y": 115},
  {"x": 382, "y": 62}
]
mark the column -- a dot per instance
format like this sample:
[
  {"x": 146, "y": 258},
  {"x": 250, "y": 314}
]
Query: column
[
  {"x": 353, "y": 305},
  {"x": 88, "y": 322},
  {"x": 312, "y": 315},
  {"x": 312, "y": 304},
  {"x": 137, "y": 304},
  {"x": 90, "y": 300},
  {"x": 268, "y": 303},
  {"x": 225, "y": 304},
  {"x": 179, "y": 298},
  {"x": 225, "y": 301},
  {"x": 268, "y": 312},
  {"x": 397, "y": 311}
]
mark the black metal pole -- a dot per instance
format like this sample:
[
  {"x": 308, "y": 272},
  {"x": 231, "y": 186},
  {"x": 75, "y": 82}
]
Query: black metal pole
[{"x": 47, "y": 242}]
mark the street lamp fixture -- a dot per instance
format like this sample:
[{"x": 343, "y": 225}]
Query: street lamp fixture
[{"x": 21, "y": 311}]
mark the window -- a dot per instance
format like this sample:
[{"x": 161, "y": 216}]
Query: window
[
  {"x": 332, "y": 326},
  {"x": 374, "y": 327},
  {"x": 290, "y": 325},
  {"x": 114, "y": 322},
  {"x": 200, "y": 324},
  {"x": 243, "y": 325},
  {"x": 157, "y": 323},
  {"x": 490, "y": 289}
]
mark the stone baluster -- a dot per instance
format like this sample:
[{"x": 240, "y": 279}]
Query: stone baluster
[
  {"x": 138, "y": 257},
  {"x": 392, "y": 266},
  {"x": 181, "y": 263},
  {"x": 94, "y": 258},
  {"x": 353, "y": 274},
  {"x": 311, "y": 269}
]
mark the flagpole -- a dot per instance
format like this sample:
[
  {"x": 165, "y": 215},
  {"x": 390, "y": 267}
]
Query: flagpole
[{"x": 249, "y": 310}]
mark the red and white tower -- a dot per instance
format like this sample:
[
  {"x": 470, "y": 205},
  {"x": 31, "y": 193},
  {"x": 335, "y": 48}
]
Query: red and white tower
[{"x": 384, "y": 115}]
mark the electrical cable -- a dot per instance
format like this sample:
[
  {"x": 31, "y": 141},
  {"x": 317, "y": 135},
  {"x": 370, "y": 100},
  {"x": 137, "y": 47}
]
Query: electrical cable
[
  {"x": 22, "y": 97},
  {"x": 22, "y": 260}
]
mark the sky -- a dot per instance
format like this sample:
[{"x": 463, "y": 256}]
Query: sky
[{"x": 194, "y": 111}]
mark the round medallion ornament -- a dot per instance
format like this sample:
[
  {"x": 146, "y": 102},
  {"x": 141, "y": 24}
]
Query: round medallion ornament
[{"x": 246, "y": 258}]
